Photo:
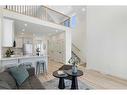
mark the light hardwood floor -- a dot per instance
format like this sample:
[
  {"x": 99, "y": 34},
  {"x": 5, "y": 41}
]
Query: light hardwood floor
[{"x": 92, "y": 78}]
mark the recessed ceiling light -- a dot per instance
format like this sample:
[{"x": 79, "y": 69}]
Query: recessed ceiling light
[
  {"x": 23, "y": 30},
  {"x": 83, "y": 9},
  {"x": 25, "y": 25}
]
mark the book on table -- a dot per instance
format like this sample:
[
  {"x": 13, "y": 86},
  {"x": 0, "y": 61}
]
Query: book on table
[{"x": 61, "y": 72}]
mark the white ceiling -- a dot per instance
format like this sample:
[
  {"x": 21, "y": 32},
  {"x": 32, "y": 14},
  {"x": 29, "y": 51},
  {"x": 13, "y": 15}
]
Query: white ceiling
[
  {"x": 38, "y": 30},
  {"x": 42, "y": 30}
]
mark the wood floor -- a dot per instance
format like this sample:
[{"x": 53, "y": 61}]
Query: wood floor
[{"x": 92, "y": 78}]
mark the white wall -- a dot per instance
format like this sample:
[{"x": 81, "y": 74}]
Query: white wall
[
  {"x": 79, "y": 33},
  {"x": 1, "y": 23},
  {"x": 0, "y": 39},
  {"x": 68, "y": 42},
  {"x": 107, "y": 40}
]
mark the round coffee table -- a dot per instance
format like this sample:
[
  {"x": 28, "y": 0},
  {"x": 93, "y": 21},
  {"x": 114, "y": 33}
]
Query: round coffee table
[
  {"x": 61, "y": 79},
  {"x": 74, "y": 84}
]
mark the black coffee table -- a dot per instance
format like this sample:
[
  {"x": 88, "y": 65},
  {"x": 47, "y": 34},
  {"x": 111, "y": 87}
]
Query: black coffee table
[
  {"x": 61, "y": 79},
  {"x": 74, "y": 84}
]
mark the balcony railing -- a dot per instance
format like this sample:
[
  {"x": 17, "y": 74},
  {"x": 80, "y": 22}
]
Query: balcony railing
[{"x": 41, "y": 12}]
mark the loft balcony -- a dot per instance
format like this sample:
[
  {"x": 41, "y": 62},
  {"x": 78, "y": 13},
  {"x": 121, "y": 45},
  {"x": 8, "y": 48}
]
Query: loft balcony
[{"x": 41, "y": 12}]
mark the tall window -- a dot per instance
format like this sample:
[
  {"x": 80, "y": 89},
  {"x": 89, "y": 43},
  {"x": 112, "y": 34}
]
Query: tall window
[{"x": 73, "y": 21}]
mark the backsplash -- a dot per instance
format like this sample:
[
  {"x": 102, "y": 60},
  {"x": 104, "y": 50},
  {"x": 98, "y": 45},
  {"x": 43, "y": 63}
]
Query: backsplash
[{"x": 17, "y": 51}]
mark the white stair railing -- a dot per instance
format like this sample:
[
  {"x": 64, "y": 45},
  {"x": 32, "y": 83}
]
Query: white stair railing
[{"x": 41, "y": 12}]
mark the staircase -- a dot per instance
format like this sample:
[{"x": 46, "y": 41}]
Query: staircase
[
  {"x": 76, "y": 53},
  {"x": 42, "y": 13}
]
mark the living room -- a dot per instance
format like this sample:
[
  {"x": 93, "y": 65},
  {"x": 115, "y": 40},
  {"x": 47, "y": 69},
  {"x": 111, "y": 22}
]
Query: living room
[{"x": 65, "y": 47}]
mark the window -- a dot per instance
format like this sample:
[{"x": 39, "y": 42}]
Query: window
[{"x": 73, "y": 21}]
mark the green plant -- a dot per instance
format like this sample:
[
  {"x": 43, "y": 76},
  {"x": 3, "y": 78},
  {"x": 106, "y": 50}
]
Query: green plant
[
  {"x": 73, "y": 61},
  {"x": 9, "y": 52}
]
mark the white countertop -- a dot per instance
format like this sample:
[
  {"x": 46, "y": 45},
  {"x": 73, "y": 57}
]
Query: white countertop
[{"x": 21, "y": 57}]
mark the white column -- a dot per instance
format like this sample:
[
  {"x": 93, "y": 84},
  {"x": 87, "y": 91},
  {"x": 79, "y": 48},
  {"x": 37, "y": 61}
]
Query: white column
[
  {"x": 68, "y": 45},
  {"x": 1, "y": 21}
]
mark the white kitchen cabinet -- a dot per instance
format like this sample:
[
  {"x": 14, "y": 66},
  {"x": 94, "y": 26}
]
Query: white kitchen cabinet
[{"x": 8, "y": 33}]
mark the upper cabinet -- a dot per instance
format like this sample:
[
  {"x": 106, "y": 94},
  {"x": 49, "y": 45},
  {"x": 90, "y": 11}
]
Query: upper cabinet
[{"x": 8, "y": 33}]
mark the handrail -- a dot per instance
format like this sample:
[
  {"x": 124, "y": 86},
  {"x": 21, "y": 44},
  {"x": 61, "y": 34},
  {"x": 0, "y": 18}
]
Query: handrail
[
  {"x": 76, "y": 47},
  {"x": 55, "y": 11},
  {"x": 43, "y": 13}
]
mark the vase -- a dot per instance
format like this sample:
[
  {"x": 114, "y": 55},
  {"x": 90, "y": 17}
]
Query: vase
[{"x": 74, "y": 69}]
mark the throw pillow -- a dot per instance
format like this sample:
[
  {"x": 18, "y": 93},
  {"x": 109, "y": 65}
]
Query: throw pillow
[{"x": 19, "y": 73}]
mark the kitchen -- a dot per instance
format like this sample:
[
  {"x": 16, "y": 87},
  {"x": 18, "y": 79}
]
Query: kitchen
[{"x": 22, "y": 44}]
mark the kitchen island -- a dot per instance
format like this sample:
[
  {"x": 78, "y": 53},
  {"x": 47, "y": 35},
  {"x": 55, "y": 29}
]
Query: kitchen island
[{"x": 15, "y": 61}]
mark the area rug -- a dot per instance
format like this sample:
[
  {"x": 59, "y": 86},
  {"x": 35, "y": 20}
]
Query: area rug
[{"x": 53, "y": 84}]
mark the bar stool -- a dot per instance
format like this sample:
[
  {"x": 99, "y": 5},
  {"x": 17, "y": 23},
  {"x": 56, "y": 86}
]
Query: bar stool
[
  {"x": 27, "y": 64},
  {"x": 40, "y": 67}
]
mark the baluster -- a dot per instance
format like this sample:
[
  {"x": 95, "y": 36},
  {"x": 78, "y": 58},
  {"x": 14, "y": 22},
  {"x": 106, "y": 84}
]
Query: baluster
[
  {"x": 16, "y": 8},
  {"x": 9, "y": 7},
  {"x": 26, "y": 10},
  {"x": 32, "y": 10},
  {"x": 35, "y": 11},
  {"x": 6, "y": 6},
  {"x": 12, "y": 8},
  {"x": 23, "y": 9},
  {"x": 20, "y": 9},
  {"x": 44, "y": 13},
  {"x": 29, "y": 11}
]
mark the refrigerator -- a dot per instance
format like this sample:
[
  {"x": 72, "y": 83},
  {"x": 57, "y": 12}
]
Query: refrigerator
[{"x": 27, "y": 49}]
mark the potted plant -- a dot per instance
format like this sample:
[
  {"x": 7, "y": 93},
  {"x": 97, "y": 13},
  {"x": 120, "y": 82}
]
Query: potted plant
[
  {"x": 9, "y": 52},
  {"x": 74, "y": 61}
]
